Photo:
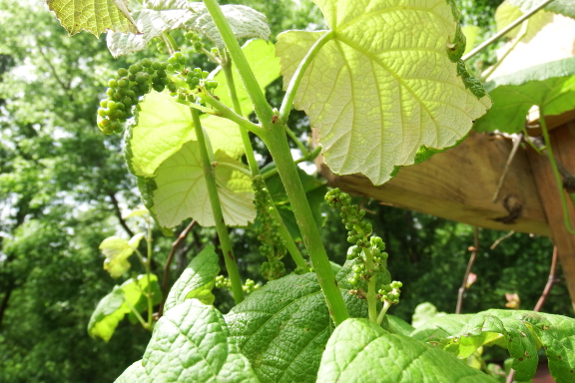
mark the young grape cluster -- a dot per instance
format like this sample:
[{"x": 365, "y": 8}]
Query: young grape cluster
[
  {"x": 131, "y": 84},
  {"x": 359, "y": 235},
  {"x": 272, "y": 244}
]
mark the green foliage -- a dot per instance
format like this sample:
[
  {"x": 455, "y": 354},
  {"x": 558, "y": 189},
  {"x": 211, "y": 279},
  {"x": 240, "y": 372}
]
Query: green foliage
[
  {"x": 521, "y": 332},
  {"x": 564, "y": 7},
  {"x": 121, "y": 301},
  {"x": 548, "y": 86},
  {"x": 361, "y": 351},
  {"x": 191, "y": 343},
  {"x": 197, "y": 280},
  {"x": 283, "y": 327}
]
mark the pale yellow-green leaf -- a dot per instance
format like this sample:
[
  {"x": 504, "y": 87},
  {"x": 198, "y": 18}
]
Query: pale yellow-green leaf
[
  {"x": 507, "y": 13},
  {"x": 94, "y": 16},
  {"x": 470, "y": 33},
  {"x": 117, "y": 251},
  {"x": 147, "y": 148},
  {"x": 182, "y": 192},
  {"x": 384, "y": 85},
  {"x": 263, "y": 61}
]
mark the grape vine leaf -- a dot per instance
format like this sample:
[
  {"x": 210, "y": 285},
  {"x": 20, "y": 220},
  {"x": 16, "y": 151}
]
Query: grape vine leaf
[
  {"x": 113, "y": 307},
  {"x": 182, "y": 191},
  {"x": 134, "y": 374},
  {"x": 191, "y": 343},
  {"x": 282, "y": 328},
  {"x": 507, "y": 13},
  {"x": 264, "y": 63},
  {"x": 94, "y": 16},
  {"x": 521, "y": 332},
  {"x": 550, "y": 86},
  {"x": 360, "y": 351},
  {"x": 197, "y": 280},
  {"x": 146, "y": 150},
  {"x": 117, "y": 251},
  {"x": 159, "y": 16},
  {"x": 387, "y": 83},
  {"x": 564, "y": 7}
]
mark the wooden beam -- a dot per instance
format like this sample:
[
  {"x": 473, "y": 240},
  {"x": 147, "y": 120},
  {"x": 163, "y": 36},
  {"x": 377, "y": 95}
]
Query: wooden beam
[
  {"x": 459, "y": 184},
  {"x": 563, "y": 144}
]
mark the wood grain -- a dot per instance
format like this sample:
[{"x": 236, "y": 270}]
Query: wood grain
[
  {"x": 459, "y": 184},
  {"x": 563, "y": 144}
]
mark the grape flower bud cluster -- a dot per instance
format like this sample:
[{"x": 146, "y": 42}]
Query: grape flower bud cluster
[{"x": 126, "y": 90}]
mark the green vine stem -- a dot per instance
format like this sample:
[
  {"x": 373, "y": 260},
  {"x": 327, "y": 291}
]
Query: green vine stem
[
  {"x": 289, "y": 97},
  {"x": 558, "y": 179},
  {"x": 261, "y": 107},
  {"x": 371, "y": 296},
  {"x": 386, "y": 306},
  {"x": 273, "y": 135},
  {"x": 255, "y": 170},
  {"x": 221, "y": 228},
  {"x": 505, "y": 30},
  {"x": 137, "y": 314},
  {"x": 280, "y": 151},
  {"x": 148, "y": 274}
]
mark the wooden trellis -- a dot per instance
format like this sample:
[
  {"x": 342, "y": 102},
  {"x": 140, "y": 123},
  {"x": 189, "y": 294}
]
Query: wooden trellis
[{"x": 460, "y": 183}]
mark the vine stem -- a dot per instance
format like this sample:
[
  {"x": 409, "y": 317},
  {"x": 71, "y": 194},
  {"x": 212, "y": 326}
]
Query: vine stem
[
  {"x": 295, "y": 81},
  {"x": 148, "y": 275},
  {"x": 175, "y": 246},
  {"x": 255, "y": 169},
  {"x": 274, "y": 136},
  {"x": 555, "y": 171},
  {"x": 371, "y": 293},
  {"x": 505, "y": 30},
  {"x": 221, "y": 228},
  {"x": 468, "y": 271}
]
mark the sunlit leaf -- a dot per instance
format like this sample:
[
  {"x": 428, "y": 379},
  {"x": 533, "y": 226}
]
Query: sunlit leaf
[
  {"x": 117, "y": 251},
  {"x": 564, "y": 7},
  {"x": 182, "y": 191},
  {"x": 94, "y": 16},
  {"x": 197, "y": 280},
  {"x": 161, "y": 16},
  {"x": 387, "y": 83},
  {"x": 550, "y": 86}
]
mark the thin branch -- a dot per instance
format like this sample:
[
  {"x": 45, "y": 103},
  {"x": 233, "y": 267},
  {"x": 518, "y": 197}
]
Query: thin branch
[
  {"x": 175, "y": 246},
  {"x": 506, "y": 30},
  {"x": 463, "y": 287},
  {"x": 501, "y": 239},
  {"x": 516, "y": 141},
  {"x": 65, "y": 88},
  {"x": 550, "y": 281},
  {"x": 118, "y": 214}
]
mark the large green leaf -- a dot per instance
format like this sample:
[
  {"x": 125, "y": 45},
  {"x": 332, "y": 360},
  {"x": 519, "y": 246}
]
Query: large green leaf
[
  {"x": 564, "y": 7},
  {"x": 159, "y": 16},
  {"x": 146, "y": 149},
  {"x": 191, "y": 344},
  {"x": 265, "y": 65},
  {"x": 282, "y": 328},
  {"x": 94, "y": 16},
  {"x": 182, "y": 191},
  {"x": 113, "y": 307},
  {"x": 197, "y": 280},
  {"x": 359, "y": 351},
  {"x": 117, "y": 251},
  {"x": 387, "y": 83},
  {"x": 550, "y": 86},
  {"x": 521, "y": 332}
]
